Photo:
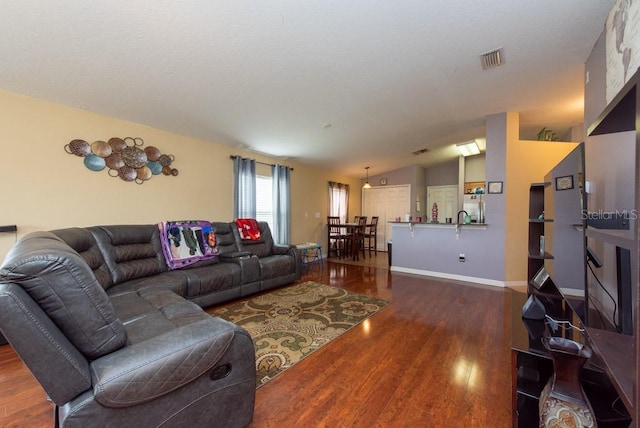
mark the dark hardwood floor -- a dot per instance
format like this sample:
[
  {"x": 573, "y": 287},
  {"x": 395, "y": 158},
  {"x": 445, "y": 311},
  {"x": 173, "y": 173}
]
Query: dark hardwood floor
[{"x": 438, "y": 356}]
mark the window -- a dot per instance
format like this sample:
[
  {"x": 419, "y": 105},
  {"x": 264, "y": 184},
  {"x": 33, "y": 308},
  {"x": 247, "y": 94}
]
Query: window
[
  {"x": 264, "y": 199},
  {"x": 338, "y": 200},
  {"x": 263, "y": 193}
]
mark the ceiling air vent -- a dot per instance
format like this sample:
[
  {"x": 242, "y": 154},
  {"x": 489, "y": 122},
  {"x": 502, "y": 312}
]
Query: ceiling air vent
[
  {"x": 421, "y": 151},
  {"x": 492, "y": 59}
]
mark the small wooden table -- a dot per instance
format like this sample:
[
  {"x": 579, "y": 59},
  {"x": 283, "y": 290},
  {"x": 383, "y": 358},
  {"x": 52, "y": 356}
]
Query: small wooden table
[{"x": 311, "y": 253}]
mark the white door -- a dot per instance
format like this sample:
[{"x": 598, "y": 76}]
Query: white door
[
  {"x": 387, "y": 203},
  {"x": 375, "y": 204},
  {"x": 446, "y": 198}
]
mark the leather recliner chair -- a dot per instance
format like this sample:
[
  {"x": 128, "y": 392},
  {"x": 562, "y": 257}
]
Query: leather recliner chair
[{"x": 158, "y": 360}]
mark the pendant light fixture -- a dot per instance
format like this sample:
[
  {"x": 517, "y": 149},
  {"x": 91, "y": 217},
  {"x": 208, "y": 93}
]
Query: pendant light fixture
[{"x": 366, "y": 183}]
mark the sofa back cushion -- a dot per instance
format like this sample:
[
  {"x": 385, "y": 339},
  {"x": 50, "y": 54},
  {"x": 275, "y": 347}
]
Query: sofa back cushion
[
  {"x": 130, "y": 251},
  {"x": 64, "y": 286},
  {"x": 83, "y": 242},
  {"x": 262, "y": 247},
  {"x": 226, "y": 242}
]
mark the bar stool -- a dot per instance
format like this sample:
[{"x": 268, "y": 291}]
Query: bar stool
[
  {"x": 358, "y": 238},
  {"x": 371, "y": 236}
]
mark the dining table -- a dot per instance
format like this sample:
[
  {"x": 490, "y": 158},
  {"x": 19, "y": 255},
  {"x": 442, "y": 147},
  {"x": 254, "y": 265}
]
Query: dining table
[{"x": 352, "y": 232}]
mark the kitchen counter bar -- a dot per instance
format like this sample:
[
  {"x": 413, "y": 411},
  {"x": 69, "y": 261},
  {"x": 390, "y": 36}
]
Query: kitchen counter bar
[
  {"x": 429, "y": 224},
  {"x": 447, "y": 250}
]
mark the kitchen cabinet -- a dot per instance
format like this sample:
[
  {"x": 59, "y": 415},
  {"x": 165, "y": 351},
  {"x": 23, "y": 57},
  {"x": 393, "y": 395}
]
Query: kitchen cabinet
[{"x": 471, "y": 186}]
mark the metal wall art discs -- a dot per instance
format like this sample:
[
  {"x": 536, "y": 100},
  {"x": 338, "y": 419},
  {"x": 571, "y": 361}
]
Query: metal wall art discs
[
  {"x": 127, "y": 174},
  {"x": 165, "y": 160},
  {"x": 134, "y": 157},
  {"x": 125, "y": 158},
  {"x": 78, "y": 147},
  {"x": 143, "y": 173},
  {"x": 153, "y": 154},
  {"x": 114, "y": 161},
  {"x": 94, "y": 162},
  {"x": 117, "y": 144},
  {"x": 155, "y": 167},
  {"x": 101, "y": 148}
]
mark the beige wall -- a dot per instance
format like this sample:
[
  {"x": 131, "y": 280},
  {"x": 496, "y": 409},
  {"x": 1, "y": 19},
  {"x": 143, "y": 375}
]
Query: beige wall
[
  {"x": 527, "y": 162},
  {"x": 43, "y": 187}
]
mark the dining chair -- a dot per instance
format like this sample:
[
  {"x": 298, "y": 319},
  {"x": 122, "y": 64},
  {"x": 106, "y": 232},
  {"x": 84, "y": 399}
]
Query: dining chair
[
  {"x": 358, "y": 239},
  {"x": 335, "y": 237},
  {"x": 371, "y": 236}
]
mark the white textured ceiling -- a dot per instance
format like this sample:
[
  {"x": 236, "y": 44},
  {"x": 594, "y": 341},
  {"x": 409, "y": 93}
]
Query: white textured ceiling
[{"x": 390, "y": 77}]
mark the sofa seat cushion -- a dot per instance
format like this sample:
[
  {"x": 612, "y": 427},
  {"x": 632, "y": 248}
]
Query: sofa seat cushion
[
  {"x": 61, "y": 282},
  {"x": 165, "y": 280},
  {"x": 209, "y": 279},
  {"x": 276, "y": 266},
  {"x": 153, "y": 311}
]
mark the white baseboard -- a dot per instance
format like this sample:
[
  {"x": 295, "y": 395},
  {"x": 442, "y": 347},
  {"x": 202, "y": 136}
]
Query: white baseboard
[{"x": 444, "y": 275}]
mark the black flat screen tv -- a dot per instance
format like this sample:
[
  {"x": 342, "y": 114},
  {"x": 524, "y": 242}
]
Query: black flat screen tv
[
  {"x": 611, "y": 231},
  {"x": 589, "y": 234}
]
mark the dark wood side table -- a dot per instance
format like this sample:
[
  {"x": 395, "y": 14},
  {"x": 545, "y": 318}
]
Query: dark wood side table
[{"x": 531, "y": 365}]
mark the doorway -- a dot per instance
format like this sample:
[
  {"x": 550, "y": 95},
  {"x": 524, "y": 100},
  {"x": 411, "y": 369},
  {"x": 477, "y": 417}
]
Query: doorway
[
  {"x": 446, "y": 198},
  {"x": 388, "y": 203}
]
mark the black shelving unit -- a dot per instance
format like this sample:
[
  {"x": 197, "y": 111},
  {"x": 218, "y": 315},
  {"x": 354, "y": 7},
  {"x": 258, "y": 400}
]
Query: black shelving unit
[
  {"x": 532, "y": 366},
  {"x": 536, "y": 253},
  {"x": 620, "y": 352}
]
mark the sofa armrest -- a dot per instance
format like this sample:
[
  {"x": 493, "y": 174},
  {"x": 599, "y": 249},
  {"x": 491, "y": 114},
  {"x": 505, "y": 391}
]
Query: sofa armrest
[
  {"x": 152, "y": 368},
  {"x": 280, "y": 249},
  {"x": 291, "y": 250},
  {"x": 249, "y": 266},
  {"x": 228, "y": 257}
]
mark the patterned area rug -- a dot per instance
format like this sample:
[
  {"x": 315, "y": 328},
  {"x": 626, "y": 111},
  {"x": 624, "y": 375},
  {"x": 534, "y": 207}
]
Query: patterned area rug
[{"x": 290, "y": 323}]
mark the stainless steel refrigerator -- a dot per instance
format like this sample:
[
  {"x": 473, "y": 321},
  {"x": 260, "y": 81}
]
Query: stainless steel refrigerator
[{"x": 473, "y": 204}]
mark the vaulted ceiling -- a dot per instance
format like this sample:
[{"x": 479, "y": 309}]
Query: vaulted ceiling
[{"x": 336, "y": 84}]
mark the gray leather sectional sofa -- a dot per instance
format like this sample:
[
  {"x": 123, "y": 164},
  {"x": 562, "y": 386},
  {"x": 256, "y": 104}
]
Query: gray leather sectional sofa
[{"x": 117, "y": 339}]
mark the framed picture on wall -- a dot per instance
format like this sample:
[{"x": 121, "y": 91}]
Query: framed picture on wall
[
  {"x": 383, "y": 181},
  {"x": 564, "y": 183},
  {"x": 494, "y": 187}
]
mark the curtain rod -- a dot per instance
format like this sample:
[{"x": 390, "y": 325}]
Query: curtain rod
[{"x": 263, "y": 163}]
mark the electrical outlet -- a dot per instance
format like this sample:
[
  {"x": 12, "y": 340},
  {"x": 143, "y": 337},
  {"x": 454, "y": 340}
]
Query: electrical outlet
[{"x": 461, "y": 257}]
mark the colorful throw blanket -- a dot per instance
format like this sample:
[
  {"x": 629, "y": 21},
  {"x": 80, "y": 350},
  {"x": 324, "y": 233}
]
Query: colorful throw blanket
[
  {"x": 248, "y": 228},
  {"x": 186, "y": 242}
]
